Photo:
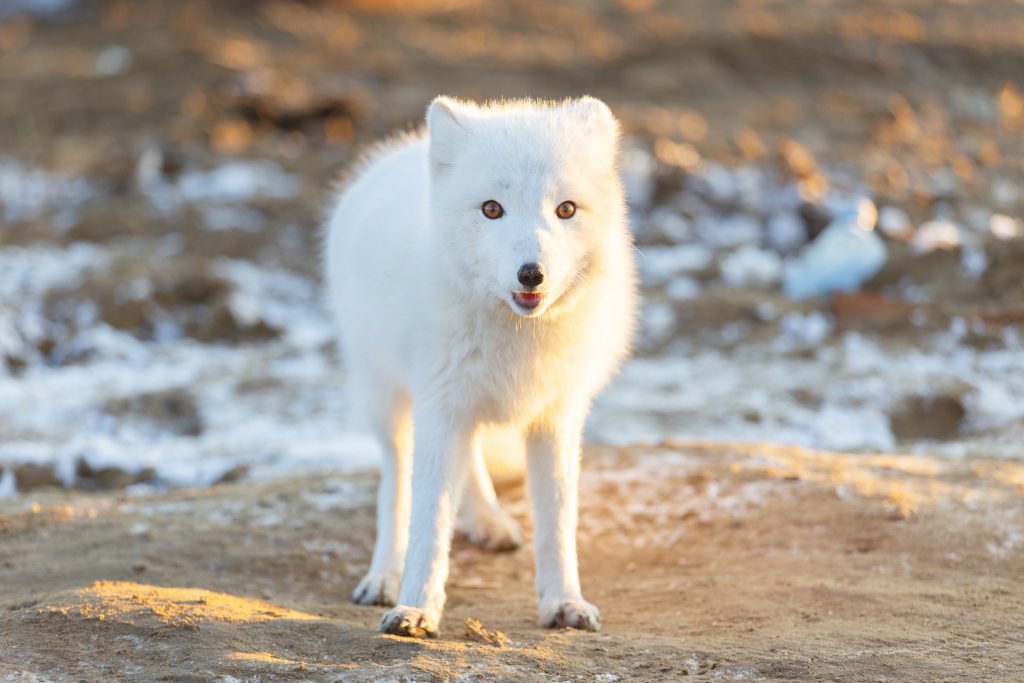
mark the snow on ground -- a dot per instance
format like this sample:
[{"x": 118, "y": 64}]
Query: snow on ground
[
  {"x": 276, "y": 404},
  {"x": 839, "y": 396}
]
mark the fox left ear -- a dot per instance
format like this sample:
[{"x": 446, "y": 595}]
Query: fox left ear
[
  {"x": 597, "y": 117},
  {"x": 447, "y": 125}
]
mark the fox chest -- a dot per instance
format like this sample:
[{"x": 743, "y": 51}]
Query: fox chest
[{"x": 510, "y": 379}]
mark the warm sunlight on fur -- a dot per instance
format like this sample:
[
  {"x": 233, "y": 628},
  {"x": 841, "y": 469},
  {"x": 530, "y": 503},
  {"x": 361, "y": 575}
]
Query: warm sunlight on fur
[{"x": 482, "y": 275}]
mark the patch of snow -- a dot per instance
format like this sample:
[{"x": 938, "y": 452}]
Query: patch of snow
[
  {"x": 636, "y": 168},
  {"x": 668, "y": 223},
  {"x": 7, "y": 484},
  {"x": 973, "y": 261},
  {"x": 847, "y": 428},
  {"x": 26, "y": 275},
  {"x": 803, "y": 330},
  {"x": 750, "y": 266},
  {"x": 786, "y": 232},
  {"x": 238, "y": 181},
  {"x": 730, "y": 231},
  {"x": 839, "y": 397},
  {"x": 659, "y": 264},
  {"x": 26, "y": 192},
  {"x": 219, "y": 217},
  {"x": 281, "y": 299},
  {"x": 683, "y": 289},
  {"x": 659, "y": 321},
  {"x": 35, "y": 8}
]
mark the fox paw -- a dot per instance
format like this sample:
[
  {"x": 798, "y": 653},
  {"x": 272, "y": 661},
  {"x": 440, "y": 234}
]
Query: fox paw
[
  {"x": 578, "y": 614},
  {"x": 377, "y": 588},
  {"x": 409, "y": 622},
  {"x": 495, "y": 530}
]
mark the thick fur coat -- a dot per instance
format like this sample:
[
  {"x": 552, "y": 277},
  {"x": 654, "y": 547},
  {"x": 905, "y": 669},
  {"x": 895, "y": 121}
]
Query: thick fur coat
[{"x": 483, "y": 281}]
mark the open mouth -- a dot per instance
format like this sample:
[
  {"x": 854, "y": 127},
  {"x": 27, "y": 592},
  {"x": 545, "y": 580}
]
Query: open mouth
[{"x": 527, "y": 300}]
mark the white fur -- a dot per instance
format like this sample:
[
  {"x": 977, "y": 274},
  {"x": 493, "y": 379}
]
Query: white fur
[{"x": 421, "y": 283}]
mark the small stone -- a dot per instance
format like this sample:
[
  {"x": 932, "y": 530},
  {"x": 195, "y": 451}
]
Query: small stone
[
  {"x": 475, "y": 631},
  {"x": 894, "y": 223},
  {"x": 1003, "y": 227},
  {"x": 28, "y": 476},
  {"x": 1004, "y": 193},
  {"x": 935, "y": 235},
  {"x": 234, "y": 474},
  {"x": 113, "y": 60}
]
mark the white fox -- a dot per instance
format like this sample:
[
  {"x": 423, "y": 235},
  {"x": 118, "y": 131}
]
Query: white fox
[{"x": 483, "y": 281}]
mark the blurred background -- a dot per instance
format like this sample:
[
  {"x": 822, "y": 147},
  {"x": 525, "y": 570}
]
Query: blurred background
[{"x": 827, "y": 198}]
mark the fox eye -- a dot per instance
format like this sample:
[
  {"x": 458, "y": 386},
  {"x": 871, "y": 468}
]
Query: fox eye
[
  {"x": 566, "y": 210},
  {"x": 492, "y": 209}
]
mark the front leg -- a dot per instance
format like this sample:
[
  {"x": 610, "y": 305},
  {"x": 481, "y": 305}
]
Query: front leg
[
  {"x": 441, "y": 453},
  {"x": 553, "y": 466}
]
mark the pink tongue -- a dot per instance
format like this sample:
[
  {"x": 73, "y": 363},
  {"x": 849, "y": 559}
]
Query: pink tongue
[{"x": 529, "y": 296}]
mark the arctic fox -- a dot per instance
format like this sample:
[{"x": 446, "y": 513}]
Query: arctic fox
[{"x": 482, "y": 278}]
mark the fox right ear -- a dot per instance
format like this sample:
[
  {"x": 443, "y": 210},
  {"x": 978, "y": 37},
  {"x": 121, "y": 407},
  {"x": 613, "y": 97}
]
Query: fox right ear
[{"x": 446, "y": 123}]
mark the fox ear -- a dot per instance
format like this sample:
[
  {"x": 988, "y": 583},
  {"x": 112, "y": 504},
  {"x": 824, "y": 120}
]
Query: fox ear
[
  {"x": 447, "y": 120},
  {"x": 597, "y": 118}
]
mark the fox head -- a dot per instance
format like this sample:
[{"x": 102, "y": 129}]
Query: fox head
[{"x": 526, "y": 195}]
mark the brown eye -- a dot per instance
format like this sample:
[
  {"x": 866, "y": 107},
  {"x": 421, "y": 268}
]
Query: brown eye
[
  {"x": 492, "y": 209},
  {"x": 566, "y": 210}
]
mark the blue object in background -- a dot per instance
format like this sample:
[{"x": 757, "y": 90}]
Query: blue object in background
[{"x": 842, "y": 258}]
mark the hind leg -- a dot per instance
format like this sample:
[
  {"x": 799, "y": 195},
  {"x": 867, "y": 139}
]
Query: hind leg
[
  {"x": 393, "y": 427},
  {"x": 481, "y": 519}
]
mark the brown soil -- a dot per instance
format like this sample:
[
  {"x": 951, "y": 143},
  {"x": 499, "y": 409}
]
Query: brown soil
[{"x": 708, "y": 561}]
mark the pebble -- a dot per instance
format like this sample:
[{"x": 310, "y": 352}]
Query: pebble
[
  {"x": 894, "y": 223},
  {"x": 1004, "y": 193},
  {"x": 1003, "y": 227},
  {"x": 113, "y": 60},
  {"x": 935, "y": 235}
]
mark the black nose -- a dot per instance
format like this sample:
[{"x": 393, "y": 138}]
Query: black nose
[{"x": 531, "y": 274}]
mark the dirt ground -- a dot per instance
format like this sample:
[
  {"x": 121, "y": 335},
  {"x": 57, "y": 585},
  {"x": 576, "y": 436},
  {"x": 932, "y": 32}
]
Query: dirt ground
[{"x": 709, "y": 562}]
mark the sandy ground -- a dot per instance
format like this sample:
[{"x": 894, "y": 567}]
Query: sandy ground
[{"x": 708, "y": 561}]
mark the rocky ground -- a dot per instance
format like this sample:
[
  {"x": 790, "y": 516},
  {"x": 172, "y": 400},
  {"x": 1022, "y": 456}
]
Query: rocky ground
[{"x": 709, "y": 562}]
